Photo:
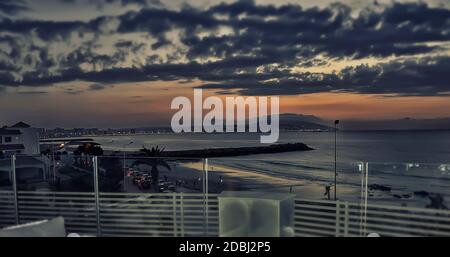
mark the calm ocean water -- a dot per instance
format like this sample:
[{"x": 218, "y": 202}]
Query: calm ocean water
[
  {"x": 407, "y": 162},
  {"x": 415, "y": 146}
]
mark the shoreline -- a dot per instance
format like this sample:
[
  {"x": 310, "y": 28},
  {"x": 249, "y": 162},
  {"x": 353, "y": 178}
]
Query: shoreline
[{"x": 246, "y": 179}]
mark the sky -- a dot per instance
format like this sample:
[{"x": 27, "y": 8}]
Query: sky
[{"x": 119, "y": 63}]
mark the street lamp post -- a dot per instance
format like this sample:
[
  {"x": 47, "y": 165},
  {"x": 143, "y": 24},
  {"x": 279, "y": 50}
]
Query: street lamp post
[
  {"x": 53, "y": 159},
  {"x": 53, "y": 163},
  {"x": 123, "y": 166},
  {"x": 336, "y": 122}
]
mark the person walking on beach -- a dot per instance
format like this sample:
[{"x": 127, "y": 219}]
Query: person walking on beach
[{"x": 327, "y": 191}]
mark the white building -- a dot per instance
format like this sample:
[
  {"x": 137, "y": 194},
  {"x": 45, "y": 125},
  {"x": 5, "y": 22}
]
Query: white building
[
  {"x": 23, "y": 141},
  {"x": 20, "y": 138}
]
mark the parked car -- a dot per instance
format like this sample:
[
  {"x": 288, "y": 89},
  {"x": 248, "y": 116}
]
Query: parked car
[
  {"x": 131, "y": 173},
  {"x": 136, "y": 178},
  {"x": 166, "y": 186},
  {"x": 144, "y": 184}
]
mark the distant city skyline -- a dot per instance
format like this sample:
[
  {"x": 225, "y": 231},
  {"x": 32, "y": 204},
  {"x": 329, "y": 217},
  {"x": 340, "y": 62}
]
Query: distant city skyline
[
  {"x": 323, "y": 125},
  {"x": 118, "y": 64}
]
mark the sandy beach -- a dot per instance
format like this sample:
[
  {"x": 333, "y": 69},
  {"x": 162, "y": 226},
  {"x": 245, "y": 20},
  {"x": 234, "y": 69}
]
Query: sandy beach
[{"x": 222, "y": 178}]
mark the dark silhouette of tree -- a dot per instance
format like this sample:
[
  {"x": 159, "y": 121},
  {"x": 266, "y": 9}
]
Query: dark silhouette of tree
[
  {"x": 153, "y": 161},
  {"x": 87, "y": 149},
  {"x": 77, "y": 156},
  {"x": 90, "y": 149},
  {"x": 111, "y": 178}
]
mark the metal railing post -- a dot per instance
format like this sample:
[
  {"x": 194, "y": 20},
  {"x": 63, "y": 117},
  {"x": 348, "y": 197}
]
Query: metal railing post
[
  {"x": 96, "y": 192},
  {"x": 365, "y": 198},
  {"x": 346, "y": 219},
  {"x": 14, "y": 188},
  {"x": 205, "y": 196},
  {"x": 362, "y": 170},
  {"x": 174, "y": 214},
  {"x": 338, "y": 218},
  {"x": 182, "y": 213},
  {"x": 363, "y": 201}
]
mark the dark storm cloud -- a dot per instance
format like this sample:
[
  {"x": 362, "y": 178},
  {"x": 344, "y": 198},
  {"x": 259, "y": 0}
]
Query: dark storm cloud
[
  {"x": 73, "y": 91},
  {"x": 213, "y": 71},
  {"x": 262, "y": 35},
  {"x": 332, "y": 31},
  {"x": 423, "y": 77},
  {"x": 140, "y": 2},
  {"x": 427, "y": 76},
  {"x": 128, "y": 45},
  {"x": 46, "y": 30},
  {"x": 6, "y": 79},
  {"x": 32, "y": 92},
  {"x": 12, "y": 7},
  {"x": 98, "y": 86},
  {"x": 7, "y": 66},
  {"x": 55, "y": 30},
  {"x": 329, "y": 30},
  {"x": 102, "y": 3}
]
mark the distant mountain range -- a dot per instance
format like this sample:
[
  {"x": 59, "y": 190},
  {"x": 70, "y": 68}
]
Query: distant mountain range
[
  {"x": 302, "y": 122},
  {"x": 288, "y": 121},
  {"x": 291, "y": 121},
  {"x": 310, "y": 122}
]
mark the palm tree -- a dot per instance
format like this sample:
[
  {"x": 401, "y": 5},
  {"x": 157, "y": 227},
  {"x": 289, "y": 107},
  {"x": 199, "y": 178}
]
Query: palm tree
[
  {"x": 91, "y": 149},
  {"x": 155, "y": 153},
  {"x": 88, "y": 149}
]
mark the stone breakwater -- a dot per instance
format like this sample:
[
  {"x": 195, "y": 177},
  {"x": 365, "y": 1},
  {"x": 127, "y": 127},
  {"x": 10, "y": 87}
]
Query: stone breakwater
[{"x": 237, "y": 151}]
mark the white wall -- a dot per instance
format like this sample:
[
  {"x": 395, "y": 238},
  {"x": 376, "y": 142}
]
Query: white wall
[
  {"x": 15, "y": 139},
  {"x": 30, "y": 139}
]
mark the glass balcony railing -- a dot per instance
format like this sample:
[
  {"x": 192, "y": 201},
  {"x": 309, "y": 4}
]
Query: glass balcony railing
[{"x": 152, "y": 196}]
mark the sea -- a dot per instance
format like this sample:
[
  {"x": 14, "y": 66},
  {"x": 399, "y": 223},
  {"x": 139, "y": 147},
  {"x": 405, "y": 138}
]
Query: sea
[{"x": 403, "y": 167}]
